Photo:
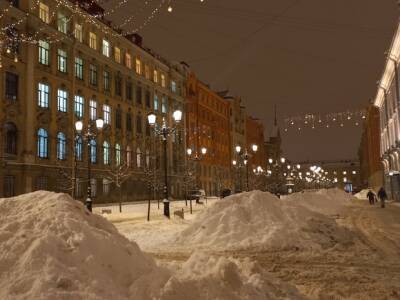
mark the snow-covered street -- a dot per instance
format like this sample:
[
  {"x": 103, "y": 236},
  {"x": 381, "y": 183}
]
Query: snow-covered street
[
  {"x": 358, "y": 257},
  {"x": 314, "y": 245}
]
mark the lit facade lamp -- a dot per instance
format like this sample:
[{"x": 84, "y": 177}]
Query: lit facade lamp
[
  {"x": 243, "y": 161},
  {"x": 88, "y": 136},
  {"x": 164, "y": 131},
  {"x": 196, "y": 158}
]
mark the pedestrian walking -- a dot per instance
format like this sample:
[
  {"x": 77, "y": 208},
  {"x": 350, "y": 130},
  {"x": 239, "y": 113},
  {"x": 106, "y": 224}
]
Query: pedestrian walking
[
  {"x": 371, "y": 197},
  {"x": 382, "y": 196}
]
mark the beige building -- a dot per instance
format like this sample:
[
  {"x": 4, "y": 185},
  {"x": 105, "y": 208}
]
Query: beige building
[{"x": 65, "y": 63}]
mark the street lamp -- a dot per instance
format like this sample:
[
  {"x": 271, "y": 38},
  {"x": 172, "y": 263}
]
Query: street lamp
[
  {"x": 243, "y": 161},
  {"x": 196, "y": 158},
  {"x": 89, "y": 135},
  {"x": 164, "y": 131}
]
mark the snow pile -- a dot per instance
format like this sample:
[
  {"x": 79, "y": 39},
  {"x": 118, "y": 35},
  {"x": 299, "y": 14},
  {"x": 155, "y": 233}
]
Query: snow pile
[
  {"x": 210, "y": 277},
  {"x": 362, "y": 195},
  {"x": 324, "y": 201},
  {"x": 52, "y": 248},
  {"x": 257, "y": 219}
]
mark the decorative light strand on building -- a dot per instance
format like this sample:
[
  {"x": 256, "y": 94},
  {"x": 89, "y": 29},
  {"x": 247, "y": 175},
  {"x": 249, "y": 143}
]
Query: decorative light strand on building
[{"x": 313, "y": 121}]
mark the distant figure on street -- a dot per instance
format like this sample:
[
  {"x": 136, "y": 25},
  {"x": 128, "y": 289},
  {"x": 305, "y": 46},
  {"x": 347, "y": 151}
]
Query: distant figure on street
[
  {"x": 382, "y": 196},
  {"x": 278, "y": 195},
  {"x": 371, "y": 197}
]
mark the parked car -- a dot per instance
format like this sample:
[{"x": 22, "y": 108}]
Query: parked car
[{"x": 198, "y": 194}]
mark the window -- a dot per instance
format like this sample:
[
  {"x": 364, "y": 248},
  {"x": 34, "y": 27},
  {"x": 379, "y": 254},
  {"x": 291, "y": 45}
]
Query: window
[
  {"x": 93, "y": 74},
  {"x": 129, "y": 122},
  {"x": 106, "y": 48},
  {"x": 42, "y": 143},
  {"x": 118, "y": 86},
  {"x": 128, "y": 156},
  {"x": 164, "y": 105},
  {"x": 155, "y": 102},
  {"x": 10, "y": 131},
  {"x": 128, "y": 60},
  {"x": 93, "y": 40},
  {"x": 155, "y": 76},
  {"x": 9, "y": 186},
  {"x": 79, "y": 106},
  {"x": 44, "y": 52},
  {"x": 147, "y": 72},
  {"x": 43, "y": 95},
  {"x": 78, "y": 148},
  {"x": 106, "y": 80},
  {"x": 78, "y": 32},
  {"x": 117, "y": 154},
  {"x": 11, "y": 86},
  {"x": 79, "y": 187},
  {"x": 93, "y": 151},
  {"x": 62, "y": 60},
  {"x": 62, "y": 22},
  {"x": 118, "y": 118},
  {"x": 106, "y": 186},
  {"x": 44, "y": 12},
  {"x": 147, "y": 99},
  {"x": 173, "y": 86},
  {"x": 106, "y": 153},
  {"x": 62, "y": 99},
  {"x": 163, "y": 80},
  {"x": 61, "y": 146},
  {"x": 129, "y": 90},
  {"x": 138, "y": 66},
  {"x": 138, "y": 95},
  {"x": 117, "y": 54},
  {"x": 138, "y": 157},
  {"x": 93, "y": 109},
  {"x": 79, "y": 68},
  {"x": 147, "y": 158},
  {"x": 139, "y": 124},
  {"x": 107, "y": 114}
]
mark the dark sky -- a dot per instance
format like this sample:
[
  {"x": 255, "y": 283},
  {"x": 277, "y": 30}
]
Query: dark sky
[{"x": 306, "y": 56}]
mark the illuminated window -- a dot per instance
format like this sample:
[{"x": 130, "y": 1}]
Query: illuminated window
[
  {"x": 117, "y": 154},
  {"x": 138, "y": 66},
  {"x": 155, "y": 76},
  {"x": 62, "y": 100},
  {"x": 93, "y": 40},
  {"x": 93, "y": 110},
  {"x": 78, "y": 32},
  {"x": 42, "y": 143},
  {"x": 43, "y": 95},
  {"x": 107, "y": 114},
  {"x": 44, "y": 12},
  {"x": 173, "y": 86},
  {"x": 117, "y": 55},
  {"x": 147, "y": 72},
  {"x": 61, "y": 146},
  {"x": 79, "y": 106},
  {"x": 79, "y": 68},
  {"x": 62, "y": 22},
  {"x": 163, "y": 80},
  {"x": 44, "y": 47},
  {"x": 62, "y": 60},
  {"x": 106, "y": 153},
  {"x": 106, "y": 48},
  {"x": 155, "y": 102},
  {"x": 128, "y": 60}
]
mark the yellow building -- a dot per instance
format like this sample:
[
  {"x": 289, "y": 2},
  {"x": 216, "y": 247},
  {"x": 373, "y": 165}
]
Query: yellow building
[{"x": 66, "y": 63}]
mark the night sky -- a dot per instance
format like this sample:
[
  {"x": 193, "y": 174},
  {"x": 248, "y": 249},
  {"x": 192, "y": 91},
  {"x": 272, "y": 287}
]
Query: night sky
[{"x": 306, "y": 56}]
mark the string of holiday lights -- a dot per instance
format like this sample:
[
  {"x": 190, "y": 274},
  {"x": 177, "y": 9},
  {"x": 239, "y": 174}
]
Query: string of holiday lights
[{"x": 336, "y": 119}]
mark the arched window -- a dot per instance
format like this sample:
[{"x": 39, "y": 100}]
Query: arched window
[
  {"x": 147, "y": 158},
  {"x": 117, "y": 154},
  {"x": 11, "y": 138},
  {"x": 61, "y": 146},
  {"x": 106, "y": 153},
  {"x": 93, "y": 151},
  {"x": 138, "y": 157},
  {"x": 42, "y": 143},
  {"x": 78, "y": 148},
  {"x": 128, "y": 156}
]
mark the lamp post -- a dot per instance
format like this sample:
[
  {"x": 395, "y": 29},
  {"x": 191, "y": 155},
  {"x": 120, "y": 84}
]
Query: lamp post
[
  {"x": 243, "y": 161},
  {"x": 88, "y": 135},
  {"x": 196, "y": 158},
  {"x": 164, "y": 131}
]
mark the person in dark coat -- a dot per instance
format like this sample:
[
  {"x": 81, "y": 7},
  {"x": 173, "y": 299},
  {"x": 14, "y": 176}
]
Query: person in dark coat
[
  {"x": 371, "y": 197},
  {"x": 382, "y": 196}
]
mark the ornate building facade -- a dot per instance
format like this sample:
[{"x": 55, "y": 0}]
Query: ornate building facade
[{"x": 76, "y": 67}]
